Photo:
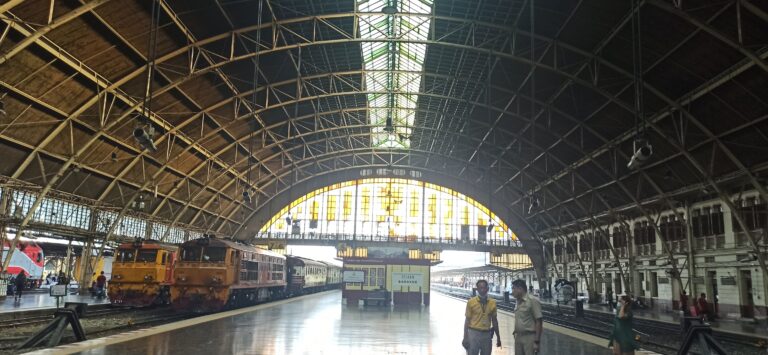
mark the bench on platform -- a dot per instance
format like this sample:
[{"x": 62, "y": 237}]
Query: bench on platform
[{"x": 380, "y": 297}]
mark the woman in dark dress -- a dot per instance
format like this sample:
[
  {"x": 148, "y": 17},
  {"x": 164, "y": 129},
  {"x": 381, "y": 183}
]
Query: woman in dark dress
[{"x": 622, "y": 336}]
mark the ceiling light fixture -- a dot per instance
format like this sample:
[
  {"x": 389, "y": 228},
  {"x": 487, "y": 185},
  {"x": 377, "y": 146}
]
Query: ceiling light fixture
[{"x": 390, "y": 9}]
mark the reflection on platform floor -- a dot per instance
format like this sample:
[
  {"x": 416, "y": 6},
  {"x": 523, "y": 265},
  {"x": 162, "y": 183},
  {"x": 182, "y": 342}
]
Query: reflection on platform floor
[
  {"x": 38, "y": 300},
  {"x": 320, "y": 324}
]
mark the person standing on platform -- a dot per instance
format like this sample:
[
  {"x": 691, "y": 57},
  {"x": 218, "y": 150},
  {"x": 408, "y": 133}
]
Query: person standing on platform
[
  {"x": 609, "y": 298},
  {"x": 480, "y": 322},
  {"x": 20, "y": 282},
  {"x": 528, "y": 320},
  {"x": 101, "y": 283},
  {"x": 622, "y": 336},
  {"x": 684, "y": 303},
  {"x": 703, "y": 307}
]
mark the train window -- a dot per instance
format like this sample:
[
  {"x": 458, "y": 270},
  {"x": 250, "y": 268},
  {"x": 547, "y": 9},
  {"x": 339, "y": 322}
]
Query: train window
[
  {"x": 147, "y": 256},
  {"x": 165, "y": 258},
  {"x": 214, "y": 255},
  {"x": 39, "y": 257},
  {"x": 190, "y": 253},
  {"x": 125, "y": 255}
]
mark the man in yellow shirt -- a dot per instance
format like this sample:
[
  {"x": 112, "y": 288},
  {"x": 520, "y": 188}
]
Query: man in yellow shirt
[{"x": 480, "y": 322}]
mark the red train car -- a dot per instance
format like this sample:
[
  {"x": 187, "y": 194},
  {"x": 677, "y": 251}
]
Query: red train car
[
  {"x": 214, "y": 274},
  {"x": 28, "y": 258}
]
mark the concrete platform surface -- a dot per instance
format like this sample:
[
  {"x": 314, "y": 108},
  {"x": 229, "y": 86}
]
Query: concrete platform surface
[
  {"x": 757, "y": 328},
  {"x": 39, "y": 300},
  {"x": 320, "y": 324}
]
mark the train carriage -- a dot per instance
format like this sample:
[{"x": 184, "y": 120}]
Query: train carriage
[
  {"x": 333, "y": 276},
  {"x": 214, "y": 274},
  {"x": 142, "y": 273},
  {"x": 306, "y": 275},
  {"x": 27, "y": 258}
]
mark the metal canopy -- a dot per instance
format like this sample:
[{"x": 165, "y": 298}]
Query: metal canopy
[{"x": 533, "y": 100}]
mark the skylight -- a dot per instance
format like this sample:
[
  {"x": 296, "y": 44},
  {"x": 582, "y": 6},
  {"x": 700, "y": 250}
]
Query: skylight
[{"x": 393, "y": 68}]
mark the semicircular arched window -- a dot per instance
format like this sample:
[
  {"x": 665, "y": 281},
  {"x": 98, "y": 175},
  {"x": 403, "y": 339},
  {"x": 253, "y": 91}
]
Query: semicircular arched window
[{"x": 390, "y": 207}]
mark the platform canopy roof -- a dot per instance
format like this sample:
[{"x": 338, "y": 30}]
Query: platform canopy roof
[{"x": 532, "y": 106}]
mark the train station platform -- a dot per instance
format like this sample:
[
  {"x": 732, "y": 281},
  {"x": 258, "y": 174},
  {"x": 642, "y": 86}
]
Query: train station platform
[
  {"x": 320, "y": 324},
  {"x": 31, "y": 301},
  {"x": 756, "y": 328}
]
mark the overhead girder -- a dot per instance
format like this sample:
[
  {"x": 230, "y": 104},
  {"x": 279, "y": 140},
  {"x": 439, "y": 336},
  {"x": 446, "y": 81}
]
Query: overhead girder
[
  {"x": 711, "y": 31},
  {"x": 583, "y": 209},
  {"x": 465, "y": 48},
  {"x": 58, "y": 22},
  {"x": 69, "y": 161},
  {"x": 562, "y": 113},
  {"x": 612, "y": 98},
  {"x": 629, "y": 194},
  {"x": 107, "y": 89},
  {"x": 191, "y": 39},
  {"x": 95, "y": 170},
  {"x": 608, "y": 144}
]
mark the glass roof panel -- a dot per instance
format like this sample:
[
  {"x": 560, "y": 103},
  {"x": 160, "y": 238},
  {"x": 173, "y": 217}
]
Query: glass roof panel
[{"x": 393, "y": 68}]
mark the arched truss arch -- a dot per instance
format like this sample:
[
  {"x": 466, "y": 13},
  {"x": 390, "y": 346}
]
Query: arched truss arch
[
  {"x": 565, "y": 46},
  {"x": 308, "y": 183},
  {"x": 677, "y": 106}
]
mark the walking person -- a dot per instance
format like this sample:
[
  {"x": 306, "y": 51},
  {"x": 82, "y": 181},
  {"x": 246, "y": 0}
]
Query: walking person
[
  {"x": 622, "y": 336},
  {"x": 20, "y": 282},
  {"x": 528, "y": 320},
  {"x": 480, "y": 322}
]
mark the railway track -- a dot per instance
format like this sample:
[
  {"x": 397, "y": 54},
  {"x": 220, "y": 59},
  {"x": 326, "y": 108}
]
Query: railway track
[
  {"x": 139, "y": 318},
  {"x": 23, "y": 319},
  {"x": 660, "y": 337}
]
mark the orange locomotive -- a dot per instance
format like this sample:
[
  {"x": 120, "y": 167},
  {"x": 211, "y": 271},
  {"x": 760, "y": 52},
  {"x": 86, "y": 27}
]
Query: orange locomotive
[
  {"x": 142, "y": 273},
  {"x": 213, "y": 274}
]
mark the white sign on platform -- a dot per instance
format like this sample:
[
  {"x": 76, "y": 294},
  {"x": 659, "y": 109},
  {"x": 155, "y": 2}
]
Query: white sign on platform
[
  {"x": 405, "y": 279},
  {"x": 354, "y": 276},
  {"x": 58, "y": 290}
]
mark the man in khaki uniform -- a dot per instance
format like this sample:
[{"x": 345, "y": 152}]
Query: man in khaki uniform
[
  {"x": 480, "y": 322},
  {"x": 528, "y": 320}
]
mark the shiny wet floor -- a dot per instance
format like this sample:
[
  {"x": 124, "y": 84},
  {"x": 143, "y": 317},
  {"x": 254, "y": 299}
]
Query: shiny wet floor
[
  {"x": 320, "y": 324},
  {"x": 39, "y": 300}
]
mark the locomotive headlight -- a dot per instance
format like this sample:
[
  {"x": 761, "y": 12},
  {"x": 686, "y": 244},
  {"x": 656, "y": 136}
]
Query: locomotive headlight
[
  {"x": 148, "y": 278},
  {"x": 216, "y": 279},
  {"x": 182, "y": 279},
  {"x": 117, "y": 276}
]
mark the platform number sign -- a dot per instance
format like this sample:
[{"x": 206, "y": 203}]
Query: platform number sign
[{"x": 406, "y": 279}]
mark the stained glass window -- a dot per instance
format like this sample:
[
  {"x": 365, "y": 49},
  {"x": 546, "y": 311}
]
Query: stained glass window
[{"x": 390, "y": 207}]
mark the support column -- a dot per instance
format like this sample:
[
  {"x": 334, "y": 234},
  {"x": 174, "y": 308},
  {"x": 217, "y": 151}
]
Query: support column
[
  {"x": 3, "y": 212},
  {"x": 632, "y": 286},
  {"x": 689, "y": 239},
  {"x": 593, "y": 296},
  {"x": 85, "y": 265}
]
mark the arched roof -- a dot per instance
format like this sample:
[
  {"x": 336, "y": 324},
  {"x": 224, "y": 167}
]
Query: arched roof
[{"x": 535, "y": 103}]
